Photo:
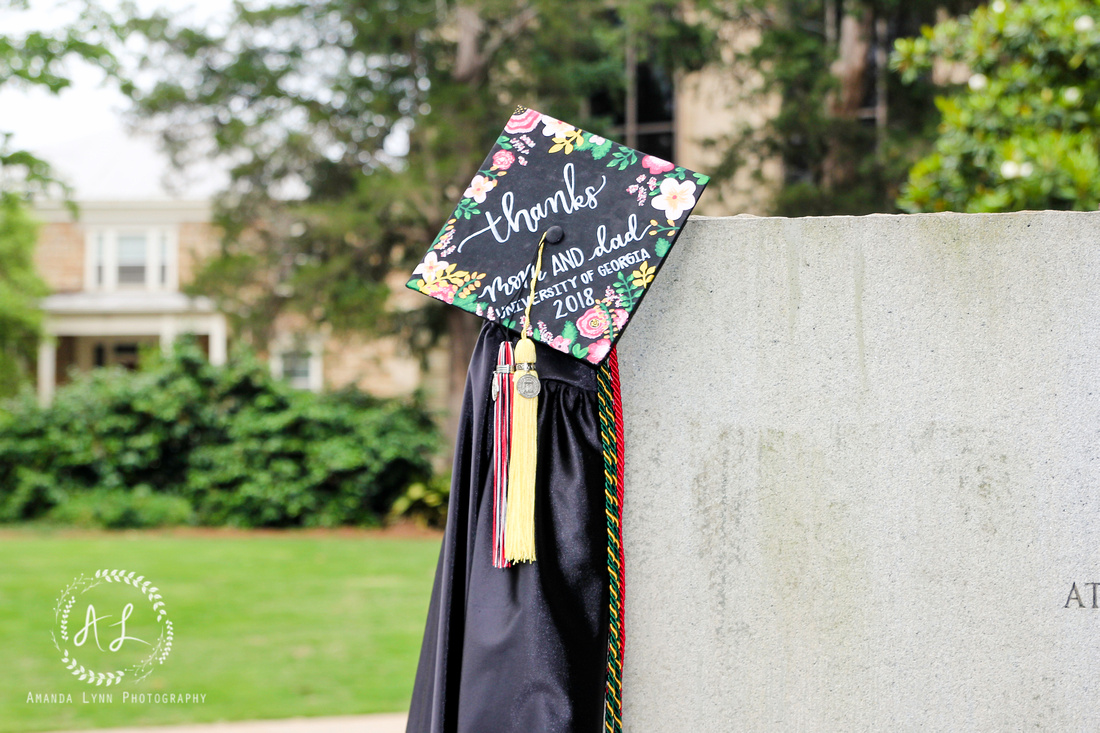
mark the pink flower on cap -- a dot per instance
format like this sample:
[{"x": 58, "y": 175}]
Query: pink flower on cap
[
  {"x": 560, "y": 343},
  {"x": 598, "y": 350},
  {"x": 594, "y": 323},
  {"x": 524, "y": 120},
  {"x": 655, "y": 165},
  {"x": 441, "y": 290}
]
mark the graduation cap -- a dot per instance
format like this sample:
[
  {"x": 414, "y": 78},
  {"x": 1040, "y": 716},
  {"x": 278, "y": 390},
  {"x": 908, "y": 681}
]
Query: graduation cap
[
  {"x": 607, "y": 214},
  {"x": 558, "y": 237}
]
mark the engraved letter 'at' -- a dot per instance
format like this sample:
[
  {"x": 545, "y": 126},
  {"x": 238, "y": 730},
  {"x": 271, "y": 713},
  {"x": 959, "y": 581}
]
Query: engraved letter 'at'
[{"x": 1075, "y": 596}]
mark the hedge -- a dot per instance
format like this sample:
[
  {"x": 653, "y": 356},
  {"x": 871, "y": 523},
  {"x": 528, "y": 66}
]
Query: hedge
[{"x": 235, "y": 444}]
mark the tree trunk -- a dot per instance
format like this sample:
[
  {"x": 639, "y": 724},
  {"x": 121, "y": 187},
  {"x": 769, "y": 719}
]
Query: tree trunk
[
  {"x": 474, "y": 52},
  {"x": 850, "y": 70},
  {"x": 469, "y": 59},
  {"x": 850, "y": 67},
  {"x": 882, "y": 59}
]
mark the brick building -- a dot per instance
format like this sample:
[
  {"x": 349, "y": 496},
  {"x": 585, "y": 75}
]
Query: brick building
[{"x": 116, "y": 276}]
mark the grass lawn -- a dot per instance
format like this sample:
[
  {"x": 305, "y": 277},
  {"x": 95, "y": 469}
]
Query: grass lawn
[{"x": 267, "y": 624}]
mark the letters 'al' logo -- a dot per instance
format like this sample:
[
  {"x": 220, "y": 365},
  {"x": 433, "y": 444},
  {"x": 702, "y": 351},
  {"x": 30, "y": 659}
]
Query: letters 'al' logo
[{"x": 111, "y": 627}]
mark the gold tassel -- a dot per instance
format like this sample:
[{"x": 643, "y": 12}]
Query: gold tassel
[
  {"x": 519, "y": 521},
  {"x": 519, "y": 518}
]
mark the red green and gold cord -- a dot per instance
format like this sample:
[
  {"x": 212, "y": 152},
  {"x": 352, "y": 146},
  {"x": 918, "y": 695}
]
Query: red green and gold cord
[{"x": 611, "y": 437}]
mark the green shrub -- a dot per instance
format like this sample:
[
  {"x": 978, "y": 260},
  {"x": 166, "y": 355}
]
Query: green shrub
[
  {"x": 240, "y": 446},
  {"x": 1024, "y": 130},
  {"x": 424, "y": 502},
  {"x": 115, "y": 509}
]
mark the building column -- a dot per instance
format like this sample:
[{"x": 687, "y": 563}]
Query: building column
[
  {"x": 167, "y": 333},
  {"x": 316, "y": 363},
  {"x": 218, "y": 336},
  {"x": 47, "y": 369}
]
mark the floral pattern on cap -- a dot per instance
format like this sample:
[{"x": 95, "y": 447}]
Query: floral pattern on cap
[{"x": 663, "y": 189}]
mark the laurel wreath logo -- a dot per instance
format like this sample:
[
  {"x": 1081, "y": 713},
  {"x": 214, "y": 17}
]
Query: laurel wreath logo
[{"x": 135, "y": 672}]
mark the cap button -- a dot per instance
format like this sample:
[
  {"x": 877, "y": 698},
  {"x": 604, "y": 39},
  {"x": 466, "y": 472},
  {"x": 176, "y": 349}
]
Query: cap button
[{"x": 554, "y": 235}]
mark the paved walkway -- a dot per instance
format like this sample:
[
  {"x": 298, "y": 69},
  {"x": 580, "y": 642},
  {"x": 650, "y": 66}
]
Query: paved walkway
[{"x": 388, "y": 723}]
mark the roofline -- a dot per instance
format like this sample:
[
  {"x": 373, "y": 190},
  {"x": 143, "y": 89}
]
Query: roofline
[{"x": 115, "y": 210}]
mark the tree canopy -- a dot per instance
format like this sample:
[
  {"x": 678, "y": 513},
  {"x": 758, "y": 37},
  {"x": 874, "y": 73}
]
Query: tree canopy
[
  {"x": 1022, "y": 128},
  {"x": 846, "y": 130},
  {"x": 353, "y": 125}
]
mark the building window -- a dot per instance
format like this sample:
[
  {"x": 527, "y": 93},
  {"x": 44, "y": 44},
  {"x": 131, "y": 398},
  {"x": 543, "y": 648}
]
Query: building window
[
  {"x": 296, "y": 368},
  {"x": 644, "y": 116},
  {"x": 110, "y": 351},
  {"x": 131, "y": 259},
  {"x": 126, "y": 356},
  {"x": 132, "y": 256},
  {"x": 297, "y": 359}
]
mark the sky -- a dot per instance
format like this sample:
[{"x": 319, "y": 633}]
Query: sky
[{"x": 81, "y": 131}]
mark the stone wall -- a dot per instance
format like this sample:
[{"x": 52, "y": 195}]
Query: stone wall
[{"x": 863, "y": 476}]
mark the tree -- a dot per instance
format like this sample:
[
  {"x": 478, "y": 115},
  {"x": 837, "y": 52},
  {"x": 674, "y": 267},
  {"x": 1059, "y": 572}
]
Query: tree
[
  {"x": 33, "y": 59},
  {"x": 1023, "y": 130},
  {"x": 20, "y": 288},
  {"x": 354, "y": 125}
]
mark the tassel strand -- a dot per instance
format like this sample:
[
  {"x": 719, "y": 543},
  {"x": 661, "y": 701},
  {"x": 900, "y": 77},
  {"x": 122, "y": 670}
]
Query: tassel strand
[
  {"x": 519, "y": 519},
  {"x": 519, "y": 530},
  {"x": 502, "y": 444}
]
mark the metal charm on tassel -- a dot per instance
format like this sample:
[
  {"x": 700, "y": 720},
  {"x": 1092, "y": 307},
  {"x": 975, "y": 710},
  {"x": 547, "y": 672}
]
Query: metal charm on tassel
[
  {"x": 502, "y": 445},
  {"x": 519, "y": 521}
]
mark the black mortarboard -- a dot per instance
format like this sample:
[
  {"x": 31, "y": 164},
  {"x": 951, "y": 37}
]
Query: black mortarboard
[{"x": 609, "y": 214}]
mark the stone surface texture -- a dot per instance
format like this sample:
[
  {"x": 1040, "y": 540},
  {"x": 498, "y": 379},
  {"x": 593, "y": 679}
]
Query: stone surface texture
[{"x": 863, "y": 474}]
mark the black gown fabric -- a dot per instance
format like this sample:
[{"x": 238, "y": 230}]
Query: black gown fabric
[{"x": 521, "y": 649}]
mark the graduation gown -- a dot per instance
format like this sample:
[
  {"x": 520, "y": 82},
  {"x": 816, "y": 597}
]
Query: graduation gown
[{"x": 524, "y": 648}]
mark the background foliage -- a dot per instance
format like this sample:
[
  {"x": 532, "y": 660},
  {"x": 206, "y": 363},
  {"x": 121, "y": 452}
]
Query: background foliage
[
  {"x": 36, "y": 59},
  {"x": 183, "y": 441},
  {"x": 1023, "y": 130},
  {"x": 845, "y": 130},
  {"x": 20, "y": 289},
  {"x": 425, "y": 502},
  {"x": 354, "y": 125}
]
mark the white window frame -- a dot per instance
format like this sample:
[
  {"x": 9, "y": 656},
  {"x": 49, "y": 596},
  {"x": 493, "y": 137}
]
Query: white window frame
[
  {"x": 158, "y": 240},
  {"x": 289, "y": 344}
]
